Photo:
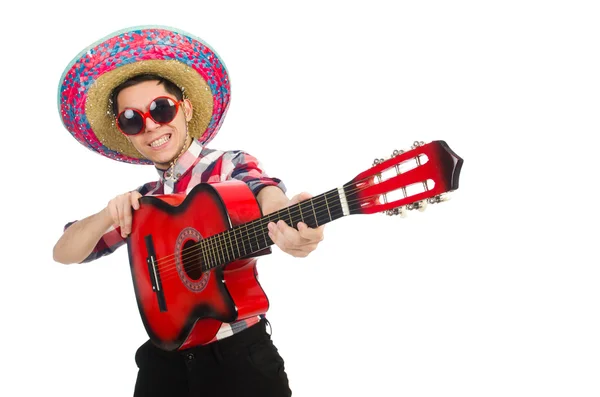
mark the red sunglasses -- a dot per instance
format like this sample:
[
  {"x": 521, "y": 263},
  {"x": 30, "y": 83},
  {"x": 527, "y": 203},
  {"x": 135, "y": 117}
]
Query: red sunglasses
[{"x": 162, "y": 110}]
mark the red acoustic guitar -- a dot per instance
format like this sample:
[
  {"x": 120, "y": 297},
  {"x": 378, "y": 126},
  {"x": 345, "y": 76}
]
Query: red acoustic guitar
[{"x": 193, "y": 258}]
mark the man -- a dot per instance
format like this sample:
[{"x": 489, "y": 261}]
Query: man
[{"x": 157, "y": 96}]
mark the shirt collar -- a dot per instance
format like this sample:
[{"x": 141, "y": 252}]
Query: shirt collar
[{"x": 184, "y": 162}]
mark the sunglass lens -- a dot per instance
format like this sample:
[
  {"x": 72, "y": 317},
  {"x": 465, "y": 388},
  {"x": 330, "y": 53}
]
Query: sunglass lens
[
  {"x": 130, "y": 122},
  {"x": 163, "y": 110}
]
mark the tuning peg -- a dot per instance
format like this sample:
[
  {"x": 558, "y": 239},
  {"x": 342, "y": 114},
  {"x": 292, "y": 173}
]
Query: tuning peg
[
  {"x": 397, "y": 211},
  {"x": 416, "y": 144},
  {"x": 397, "y": 152},
  {"x": 402, "y": 211},
  {"x": 377, "y": 161},
  {"x": 418, "y": 205},
  {"x": 439, "y": 198}
]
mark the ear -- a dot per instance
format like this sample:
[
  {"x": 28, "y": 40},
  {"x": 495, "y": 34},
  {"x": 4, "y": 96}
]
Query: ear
[{"x": 188, "y": 109}]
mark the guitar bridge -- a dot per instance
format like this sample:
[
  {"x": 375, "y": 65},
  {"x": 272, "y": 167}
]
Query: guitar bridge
[{"x": 155, "y": 274}]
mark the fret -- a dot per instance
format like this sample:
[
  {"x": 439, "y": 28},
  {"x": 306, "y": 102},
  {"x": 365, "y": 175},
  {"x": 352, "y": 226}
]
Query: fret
[
  {"x": 307, "y": 214},
  {"x": 244, "y": 237},
  {"x": 220, "y": 245},
  {"x": 213, "y": 243},
  {"x": 210, "y": 250},
  {"x": 255, "y": 236},
  {"x": 323, "y": 211},
  {"x": 211, "y": 260},
  {"x": 213, "y": 248},
  {"x": 236, "y": 242},
  {"x": 223, "y": 248},
  {"x": 232, "y": 255},
  {"x": 336, "y": 206},
  {"x": 206, "y": 263},
  {"x": 314, "y": 213},
  {"x": 327, "y": 205},
  {"x": 301, "y": 215},
  {"x": 265, "y": 233},
  {"x": 229, "y": 246},
  {"x": 220, "y": 249},
  {"x": 247, "y": 238}
]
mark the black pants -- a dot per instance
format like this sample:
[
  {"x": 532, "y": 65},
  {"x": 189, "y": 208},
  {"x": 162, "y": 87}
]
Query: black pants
[{"x": 246, "y": 364}]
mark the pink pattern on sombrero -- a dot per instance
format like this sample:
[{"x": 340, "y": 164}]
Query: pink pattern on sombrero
[{"x": 134, "y": 46}]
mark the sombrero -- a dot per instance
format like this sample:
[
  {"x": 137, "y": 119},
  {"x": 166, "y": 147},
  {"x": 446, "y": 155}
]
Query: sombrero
[{"x": 87, "y": 83}]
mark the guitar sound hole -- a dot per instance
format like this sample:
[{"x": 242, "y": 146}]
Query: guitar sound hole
[{"x": 192, "y": 260}]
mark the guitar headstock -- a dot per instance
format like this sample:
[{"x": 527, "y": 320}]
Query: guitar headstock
[{"x": 408, "y": 180}]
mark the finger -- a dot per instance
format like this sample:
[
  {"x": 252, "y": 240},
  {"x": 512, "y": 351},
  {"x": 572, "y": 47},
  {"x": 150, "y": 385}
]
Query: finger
[
  {"x": 121, "y": 220},
  {"x": 274, "y": 233},
  {"x": 279, "y": 238},
  {"x": 304, "y": 196},
  {"x": 286, "y": 246},
  {"x": 125, "y": 216},
  {"x": 280, "y": 242},
  {"x": 292, "y": 235},
  {"x": 299, "y": 197},
  {"x": 135, "y": 197},
  {"x": 311, "y": 234},
  {"x": 276, "y": 240}
]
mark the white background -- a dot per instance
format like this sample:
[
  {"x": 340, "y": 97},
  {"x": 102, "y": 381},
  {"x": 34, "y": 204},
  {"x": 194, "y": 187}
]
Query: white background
[{"x": 495, "y": 293}]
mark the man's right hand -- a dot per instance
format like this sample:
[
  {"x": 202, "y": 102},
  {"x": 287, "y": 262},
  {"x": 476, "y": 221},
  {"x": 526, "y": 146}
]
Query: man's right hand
[{"x": 119, "y": 209}]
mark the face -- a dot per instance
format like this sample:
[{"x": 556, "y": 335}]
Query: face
[{"x": 159, "y": 143}]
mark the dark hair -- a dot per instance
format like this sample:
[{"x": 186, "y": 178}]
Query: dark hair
[{"x": 170, "y": 87}]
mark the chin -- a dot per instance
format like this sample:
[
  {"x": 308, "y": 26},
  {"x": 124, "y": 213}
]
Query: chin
[{"x": 163, "y": 157}]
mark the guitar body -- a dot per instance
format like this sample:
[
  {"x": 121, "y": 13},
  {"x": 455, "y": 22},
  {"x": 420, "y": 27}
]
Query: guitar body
[{"x": 182, "y": 306}]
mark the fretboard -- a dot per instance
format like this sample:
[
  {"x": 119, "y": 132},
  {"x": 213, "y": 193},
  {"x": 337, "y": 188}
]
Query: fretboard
[{"x": 244, "y": 240}]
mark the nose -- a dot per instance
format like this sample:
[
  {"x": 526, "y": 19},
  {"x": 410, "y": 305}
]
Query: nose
[{"x": 151, "y": 124}]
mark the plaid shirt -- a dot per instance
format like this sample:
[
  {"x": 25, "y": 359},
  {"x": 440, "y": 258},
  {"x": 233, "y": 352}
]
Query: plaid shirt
[{"x": 197, "y": 165}]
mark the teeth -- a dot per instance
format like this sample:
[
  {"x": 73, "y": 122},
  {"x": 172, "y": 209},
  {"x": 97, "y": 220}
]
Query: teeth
[{"x": 160, "y": 141}]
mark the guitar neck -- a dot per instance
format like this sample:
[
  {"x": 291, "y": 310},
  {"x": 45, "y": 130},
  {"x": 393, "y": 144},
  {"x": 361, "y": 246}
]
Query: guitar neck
[
  {"x": 424, "y": 172},
  {"x": 251, "y": 237}
]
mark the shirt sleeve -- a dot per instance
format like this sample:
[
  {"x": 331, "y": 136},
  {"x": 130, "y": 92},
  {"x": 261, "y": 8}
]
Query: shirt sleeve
[
  {"x": 246, "y": 168},
  {"x": 110, "y": 240},
  {"x": 108, "y": 243}
]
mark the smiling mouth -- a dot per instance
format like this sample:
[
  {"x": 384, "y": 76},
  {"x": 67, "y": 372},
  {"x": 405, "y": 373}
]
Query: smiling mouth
[{"x": 160, "y": 141}]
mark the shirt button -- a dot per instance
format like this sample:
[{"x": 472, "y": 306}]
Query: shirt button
[{"x": 190, "y": 356}]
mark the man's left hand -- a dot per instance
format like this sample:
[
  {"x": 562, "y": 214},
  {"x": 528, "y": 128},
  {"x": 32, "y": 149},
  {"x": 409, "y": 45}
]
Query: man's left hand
[{"x": 300, "y": 242}]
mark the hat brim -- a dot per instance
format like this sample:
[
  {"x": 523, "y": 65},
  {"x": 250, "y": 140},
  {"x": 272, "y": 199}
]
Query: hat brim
[{"x": 87, "y": 84}]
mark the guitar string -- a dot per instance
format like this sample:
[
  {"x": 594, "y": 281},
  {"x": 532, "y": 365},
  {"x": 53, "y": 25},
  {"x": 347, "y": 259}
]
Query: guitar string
[
  {"x": 218, "y": 249},
  {"x": 168, "y": 268},
  {"x": 256, "y": 224},
  {"x": 222, "y": 247}
]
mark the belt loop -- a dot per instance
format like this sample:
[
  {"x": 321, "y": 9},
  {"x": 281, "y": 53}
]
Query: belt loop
[{"x": 270, "y": 328}]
